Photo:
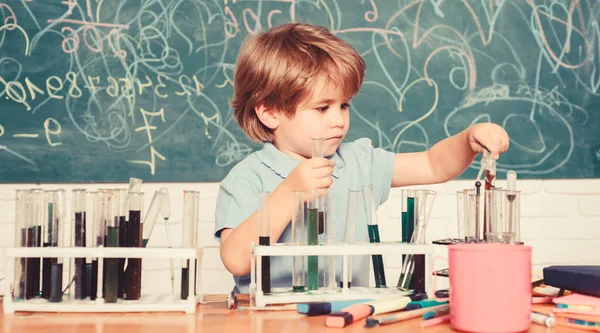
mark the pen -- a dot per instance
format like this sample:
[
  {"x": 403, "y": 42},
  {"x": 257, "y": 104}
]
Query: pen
[{"x": 437, "y": 312}]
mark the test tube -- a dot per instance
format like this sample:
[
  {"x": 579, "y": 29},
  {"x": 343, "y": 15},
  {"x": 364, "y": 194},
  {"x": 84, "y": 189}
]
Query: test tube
[
  {"x": 35, "y": 240},
  {"x": 166, "y": 214},
  {"x": 79, "y": 201},
  {"x": 408, "y": 225},
  {"x": 134, "y": 239},
  {"x": 264, "y": 237},
  {"x": 123, "y": 195},
  {"x": 154, "y": 210},
  {"x": 111, "y": 265},
  {"x": 317, "y": 151},
  {"x": 312, "y": 221},
  {"x": 298, "y": 238},
  {"x": 351, "y": 222},
  {"x": 460, "y": 215},
  {"x": 49, "y": 198},
  {"x": 330, "y": 233},
  {"x": 58, "y": 200},
  {"x": 190, "y": 236},
  {"x": 493, "y": 213},
  {"x": 20, "y": 278},
  {"x": 512, "y": 211},
  {"x": 373, "y": 229}
]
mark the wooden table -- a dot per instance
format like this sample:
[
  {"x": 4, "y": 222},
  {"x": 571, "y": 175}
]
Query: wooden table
[{"x": 210, "y": 317}]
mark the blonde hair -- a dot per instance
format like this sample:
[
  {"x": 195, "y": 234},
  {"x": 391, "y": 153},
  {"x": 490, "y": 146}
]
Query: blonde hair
[{"x": 277, "y": 68}]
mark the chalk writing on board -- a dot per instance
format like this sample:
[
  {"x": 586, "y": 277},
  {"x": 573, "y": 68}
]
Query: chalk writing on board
[{"x": 119, "y": 88}]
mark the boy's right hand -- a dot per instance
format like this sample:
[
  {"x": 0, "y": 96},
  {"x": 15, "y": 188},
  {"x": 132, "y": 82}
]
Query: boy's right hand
[{"x": 313, "y": 173}]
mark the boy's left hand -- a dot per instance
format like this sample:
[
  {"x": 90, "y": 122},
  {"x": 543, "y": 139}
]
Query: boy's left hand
[{"x": 488, "y": 136}]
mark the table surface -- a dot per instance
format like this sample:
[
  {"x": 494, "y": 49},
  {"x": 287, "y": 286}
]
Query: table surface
[{"x": 213, "y": 316}]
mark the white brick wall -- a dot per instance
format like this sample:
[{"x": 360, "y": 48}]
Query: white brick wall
[{"x": 560, "y": 219}]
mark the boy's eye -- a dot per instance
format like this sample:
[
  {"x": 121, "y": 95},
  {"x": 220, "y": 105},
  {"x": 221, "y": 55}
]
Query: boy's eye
[
  {"x": 323, "y": 108},
  {"x": 345, "y": 105}
]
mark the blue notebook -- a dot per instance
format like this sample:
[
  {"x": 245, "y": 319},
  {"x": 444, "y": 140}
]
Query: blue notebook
[{"x": 580, "y": 279}]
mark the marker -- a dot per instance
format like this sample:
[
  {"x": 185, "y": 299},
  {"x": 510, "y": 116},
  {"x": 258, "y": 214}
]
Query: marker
[
  {"x": 356, "y": 312},
  {"x": 426, "y": 303},
  {"x": 323, "y": 308},
  {"x": 435, "y": 321},
  {"x": 542, "y": 319}
]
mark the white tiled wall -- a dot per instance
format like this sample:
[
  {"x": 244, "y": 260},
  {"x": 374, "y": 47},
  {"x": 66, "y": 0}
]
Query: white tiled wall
[{"x": 559, "y": 218}]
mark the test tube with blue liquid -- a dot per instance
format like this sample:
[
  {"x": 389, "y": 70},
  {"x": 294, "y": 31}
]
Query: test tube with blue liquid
[
  {"x": 264, "y": 238},
  {"x": 298, "y": 238},
  {"x": 373, "y": 229}
]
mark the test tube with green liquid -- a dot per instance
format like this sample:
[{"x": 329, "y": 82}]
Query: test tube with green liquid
[
  {"x": 57, "y": 199},
  {"x": 111, "y": 265},
  {"x": 312, "y": 220},
  {"x": 264, "y": 238},
  {"x": 373, "y": 229},
  {"x": 351, "y": 222},
  {"x": 298, "y": 238}
]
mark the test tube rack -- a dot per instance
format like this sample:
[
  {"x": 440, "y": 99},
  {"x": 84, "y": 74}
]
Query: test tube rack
[
  {"x": 346, "y": 251},
  {"x": 146, "y": 303}
]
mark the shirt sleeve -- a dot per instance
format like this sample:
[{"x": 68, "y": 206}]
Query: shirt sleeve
[
  {"x": 379, "y": 168},
  {"x": 236, "y": 201}
]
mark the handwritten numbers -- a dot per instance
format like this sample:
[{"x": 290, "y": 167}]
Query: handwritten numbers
[
  {"x": 70, "y": 5},
  {"x": 52, "y": 89},
  {"x": 248, "y": 12},
  {"x": 16, "y": 92},
  {"x": 9, "y": 25},
  {"x": 232, "y": 28},
  {"x": 113, "y": 89},
  {"x": 74, "y": 90},
  {"x": 32, "y": 88},
  {"x": 184, "y": 86},
  {"x": 142, "y": 86},
  {"x": 91, "y": 84},
  {"x": 199, "y": 86},
  {"x": 95, "y": 39},
  {"x": 1, "y": 130},
  {"x": 160, "y": 85},
  {"x": 56, "y": 130},
  {"x": 373, "y": 14},
  {"x": 113, "y": 42},
  {"x": 70, "y": 44},
  {"x": 148, "y": 128},
  {"x": 270, "y": 16}
]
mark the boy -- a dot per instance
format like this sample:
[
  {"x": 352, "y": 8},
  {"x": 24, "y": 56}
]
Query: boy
[{"x": 293, "y": 83}]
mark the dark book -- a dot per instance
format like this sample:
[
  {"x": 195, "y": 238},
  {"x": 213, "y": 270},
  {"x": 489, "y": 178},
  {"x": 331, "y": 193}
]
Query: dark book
[{"x": 580, "y": 279}]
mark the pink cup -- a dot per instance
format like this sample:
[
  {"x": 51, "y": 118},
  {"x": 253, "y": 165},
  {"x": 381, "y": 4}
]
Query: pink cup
[{"x": 490, "y": 287}]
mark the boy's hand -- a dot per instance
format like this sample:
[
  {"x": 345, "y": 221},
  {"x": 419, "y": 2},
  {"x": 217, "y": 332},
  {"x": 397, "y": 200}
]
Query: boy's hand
[
  {"x": 313, "y": 173},
  {"x": 488, "y": 136}
]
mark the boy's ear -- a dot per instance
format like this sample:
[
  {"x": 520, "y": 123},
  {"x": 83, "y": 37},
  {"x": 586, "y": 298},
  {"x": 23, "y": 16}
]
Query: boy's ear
[{"x": 267, "y": 116}]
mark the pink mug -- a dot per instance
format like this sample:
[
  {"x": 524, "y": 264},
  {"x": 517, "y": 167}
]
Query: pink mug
[{"x": 490, "y": 287}]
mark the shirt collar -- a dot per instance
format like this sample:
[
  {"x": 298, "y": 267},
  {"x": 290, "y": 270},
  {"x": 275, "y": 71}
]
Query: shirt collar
[{"x": 283, "y": 164}]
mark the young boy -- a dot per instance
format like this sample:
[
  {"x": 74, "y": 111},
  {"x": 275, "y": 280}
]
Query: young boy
[{"x": 293, "y": 83}]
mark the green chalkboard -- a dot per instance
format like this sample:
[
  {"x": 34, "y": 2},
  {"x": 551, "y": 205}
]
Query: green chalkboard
[{"x": 99, "y": 91}]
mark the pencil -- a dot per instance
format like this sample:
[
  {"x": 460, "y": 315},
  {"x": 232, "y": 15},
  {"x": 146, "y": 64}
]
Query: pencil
[{"x": 394, "y": 318}]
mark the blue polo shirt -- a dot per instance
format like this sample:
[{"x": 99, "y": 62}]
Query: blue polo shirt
[{"x": 357, "y": 164}]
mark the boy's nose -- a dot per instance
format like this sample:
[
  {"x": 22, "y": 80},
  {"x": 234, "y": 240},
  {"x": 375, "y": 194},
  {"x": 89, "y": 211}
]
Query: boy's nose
[{"x": 336, "y": 117}]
